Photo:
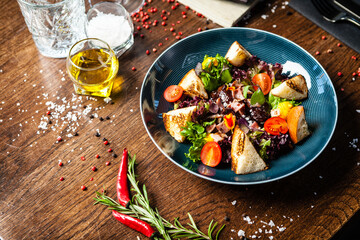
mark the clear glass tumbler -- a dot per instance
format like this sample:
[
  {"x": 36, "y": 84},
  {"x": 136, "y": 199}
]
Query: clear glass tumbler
[
  {"x": 92, "y": 66},
  {"x": 55, "y": 25}
]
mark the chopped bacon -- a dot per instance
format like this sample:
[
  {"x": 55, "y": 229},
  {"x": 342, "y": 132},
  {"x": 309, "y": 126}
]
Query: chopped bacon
[
  {"x": 238, "y": 94},
  {"x": 254, "y": 125},
  {"x": 216, "y": 137},
  {"x": 210, "y": 128},
  {"x": 237, "y": 107},
  {"x": 221, "y": 127}
]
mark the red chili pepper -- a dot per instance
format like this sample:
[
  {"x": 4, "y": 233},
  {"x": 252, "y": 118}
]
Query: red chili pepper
[
  {"x": 122, "y": 181},
  {"x": 135, "y": 224}
]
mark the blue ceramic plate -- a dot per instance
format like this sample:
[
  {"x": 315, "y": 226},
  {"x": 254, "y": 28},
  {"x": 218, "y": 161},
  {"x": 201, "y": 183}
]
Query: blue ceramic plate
[{"x": 321, "y": 107}]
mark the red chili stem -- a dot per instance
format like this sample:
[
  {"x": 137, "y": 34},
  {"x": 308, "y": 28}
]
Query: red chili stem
[
  {"x": 134, "y": 223},
  {"x": 122, "y": 181}
]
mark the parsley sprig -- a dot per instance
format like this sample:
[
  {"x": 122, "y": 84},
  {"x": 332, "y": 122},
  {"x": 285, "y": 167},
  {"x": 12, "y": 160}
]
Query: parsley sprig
[{"x": 140, "y": 208}]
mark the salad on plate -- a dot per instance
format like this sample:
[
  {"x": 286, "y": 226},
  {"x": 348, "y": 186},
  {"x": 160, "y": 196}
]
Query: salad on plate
[{"x": 237, "y": 110}]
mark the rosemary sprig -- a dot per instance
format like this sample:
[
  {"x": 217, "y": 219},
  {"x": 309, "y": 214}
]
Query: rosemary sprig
[{"x": 140, "y": 208}]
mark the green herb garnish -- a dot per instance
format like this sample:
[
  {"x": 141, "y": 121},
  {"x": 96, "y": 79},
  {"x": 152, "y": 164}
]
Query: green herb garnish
[
  {"x": 257, "y": 97},
  {"x": 140, "y": 208},
  {"x": 216, "y": 72}
]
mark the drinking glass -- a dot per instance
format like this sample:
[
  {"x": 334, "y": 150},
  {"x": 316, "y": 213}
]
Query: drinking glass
[
  {"x": 92, "y": 66},
  {"x": 55, "y": 25}
]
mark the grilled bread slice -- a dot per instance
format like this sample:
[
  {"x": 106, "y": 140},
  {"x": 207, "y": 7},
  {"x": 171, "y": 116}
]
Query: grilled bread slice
[
  {"x": 244, "y": 157},
  {"x": 174, "y": 120},
  {"x": 292, "y": 89},
  {"x": 192, "y": 85},
  {"x": 298, "y": 127},
  {"x": 237, "y": 54}
]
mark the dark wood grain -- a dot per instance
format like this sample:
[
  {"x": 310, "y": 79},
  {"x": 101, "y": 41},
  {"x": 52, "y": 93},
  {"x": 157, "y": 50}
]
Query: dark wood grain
[{"x": 311, "y": 204}]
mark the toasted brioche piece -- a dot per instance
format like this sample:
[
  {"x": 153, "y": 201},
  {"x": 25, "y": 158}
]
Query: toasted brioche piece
[
  {"x": 174, "y": 120},
  {"x": 244, "y": 158},
  {"x": 192, "y": 85},
  {"x": 237, "y": 54},
  {"x": 292, "y": 89},
  {"x": 298, "y": 127}
]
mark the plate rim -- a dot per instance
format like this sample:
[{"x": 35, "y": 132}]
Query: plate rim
[{"x": 240, "y": 183}]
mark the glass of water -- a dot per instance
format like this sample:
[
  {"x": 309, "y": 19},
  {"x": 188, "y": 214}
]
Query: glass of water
[{"x": 55, "y": 25}]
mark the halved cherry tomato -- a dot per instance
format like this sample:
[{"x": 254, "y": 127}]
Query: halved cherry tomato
[
  {"x": 211, "y": 154},
  {"x": 173, "y": 93},
  {"x": 276, "y": 125},
  {"x": 264, "y": 81}
]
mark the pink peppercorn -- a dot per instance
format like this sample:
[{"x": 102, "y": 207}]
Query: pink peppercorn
[
  {"x": 339, "y": 45},
  {"x": 106, "y": 142},
  {"x": 339, "y": 74},
  {"x": 61, "y": 179},
  {"x": 59, "y": 139},
  {"x": 164, "y": 18},
  {"x": 138, "y": 28},
  {"x": 177, "y": 37},
  {"x": 109, "y": 150},
  {"x": 48, "y": 113},
  {"x": 82, "y": 158},
  {"x": 107, "y": 163},
  {"x": 154, "y": 49},
  {"x": 184, "y": 16},
  {"x": 199, "y": 29},
  {"x": 173, "y": 7},
  {"x": 187, "y": 7},
  {"x": 142, "y": 35},
  {"x": 354, "y": 74},
  {"x": 133, "y": 68},
  {"x": 93, "y": 168},
  {"x": 97, "y": 156},
  {"x": 354, "y": 58},
  {"x": 317, "y": 53},
  {"x": 180, "y": 33},
  {"x": 172, "y": 29},
  {"x": 147, "y": 52},
  {"x": 60, "y": 164},
  {"x": 160, "y": 44},
  {"x": 166, "y": 38},
  {"x": 91, "y": 179},
  {"x": 163, "y": 23},
  {"x": 323, "y": 37},
  {"x": 83, "y": 187}
]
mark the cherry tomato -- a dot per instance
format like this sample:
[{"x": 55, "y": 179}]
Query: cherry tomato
[
  {"x": 276, "y": 125},
  {"x": 211, "y": 154},
  {"x": 173, "y": 93},
  {"x": 264, "y": 81}
]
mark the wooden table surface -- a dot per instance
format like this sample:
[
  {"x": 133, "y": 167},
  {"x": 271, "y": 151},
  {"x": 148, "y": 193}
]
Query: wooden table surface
[{"x": 311, "y": 204}]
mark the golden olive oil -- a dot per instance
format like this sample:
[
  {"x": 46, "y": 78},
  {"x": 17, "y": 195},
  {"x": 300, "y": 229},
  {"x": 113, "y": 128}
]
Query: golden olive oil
[{"x": 93, "y": 71}]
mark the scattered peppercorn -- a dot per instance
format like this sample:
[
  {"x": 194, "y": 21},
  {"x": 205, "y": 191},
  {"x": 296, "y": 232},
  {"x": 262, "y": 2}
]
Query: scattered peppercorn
[
  {"x": 184, "y": 16},
  {"x": 323, "y": 37},
  {"x": 48, "y": 113},
  {"x": 61, "y": 179},
  {"x": 142, "y": 35},
  {"x": 97, "y": 134},
  {"x": 227, "y": 218},
  {"x": 154, "y": 49},
  {"x": 172, "y": 29},
  {"x": 83, "y": 187},
  {"x": 82, "y": 158},
  {"x": 339, "y": 74},
  {"x": 106, "y": 142},
  {"x": 199, "y": 29},
  {"x": 91, "y": 179},
  {"x": 97, "y": 156},
  {"x": 76, "y": 134},
  {"x": 354, "y": 58},
  {"x": 59, "y": 139},
  {"x": 289, "y": 13},
  {"x": 160, "y": 44},
  {"x": 91, "y": 116},
  {"x": 109, "y": 150},
  {"x": 60, "y": 164},
  {"x": 329, "y": 51},
  {"x": 94, "y": 169},
  {"x": 147, "y": 52},
  {"x": 49, "y": 122},
  {"x": 339, "y": 45},
  {"x": 101, "y": 118},
  {"x": 107, "y": 163},
  {"x": 317, "y": 53},
  {"x": 114, "y": 155},
  {"x": 107, "y": 118}
]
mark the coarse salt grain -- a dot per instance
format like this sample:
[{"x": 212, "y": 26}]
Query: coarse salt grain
[
  {"x": 233, "y": 202},
  {"x": 241, "y": 233},
  {"x": 102, "y": 24}
]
